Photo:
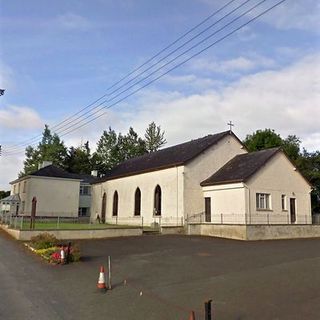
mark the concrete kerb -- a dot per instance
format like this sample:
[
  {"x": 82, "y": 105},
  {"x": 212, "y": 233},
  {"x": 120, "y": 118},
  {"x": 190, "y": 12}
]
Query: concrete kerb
[
  {"x": 26, "y": 235},
  {"x": 255, "y": 232}
]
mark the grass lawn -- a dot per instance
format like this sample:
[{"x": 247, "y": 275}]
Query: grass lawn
[{"x": 70, "y": 225}]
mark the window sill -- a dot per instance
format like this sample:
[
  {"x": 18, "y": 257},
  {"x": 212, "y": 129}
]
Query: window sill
[{"x": 265, "y": 210}]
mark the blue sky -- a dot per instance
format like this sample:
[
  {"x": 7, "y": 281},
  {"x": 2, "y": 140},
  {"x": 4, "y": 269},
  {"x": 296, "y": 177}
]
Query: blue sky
[{"x": 58, "y": 56}]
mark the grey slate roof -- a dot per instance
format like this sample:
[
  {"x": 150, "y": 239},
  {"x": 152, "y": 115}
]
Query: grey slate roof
[
  {"x": 53, "y": 171},
  {"x": 11, "y": 198},
  {"x": 241, "y": 167},
  {"x": 165, "y": 158}
]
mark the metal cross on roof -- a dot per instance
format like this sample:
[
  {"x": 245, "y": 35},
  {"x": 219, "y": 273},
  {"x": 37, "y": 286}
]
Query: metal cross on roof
[{"x": 230, "y": 124}]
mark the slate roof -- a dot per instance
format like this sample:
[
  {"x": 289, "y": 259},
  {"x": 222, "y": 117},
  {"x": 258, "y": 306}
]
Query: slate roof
[
  {"x": 53, "y": 171},
  {"x": 165, "y": 158},
  {"x": 241, "y": 167},
  {"x": 11, "y": 198}
]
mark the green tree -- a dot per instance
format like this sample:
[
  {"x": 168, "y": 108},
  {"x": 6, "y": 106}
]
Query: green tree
[
  {"x": 262, "y": 139},
  {"x": 50, "y": 148},
  {"x": 79, "y": 159},
  {"x": 130, "y": 145},
  {"x": 113, "y": 148},
  {"x": 154, "y": 138},
  {"x": 106, "y": 156},
  {"x": 4, "y": 194},
  {"x": 309, "y": 164}
]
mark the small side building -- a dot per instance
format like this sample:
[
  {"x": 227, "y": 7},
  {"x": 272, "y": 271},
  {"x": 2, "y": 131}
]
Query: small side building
[{"x": 262, "y": 187}]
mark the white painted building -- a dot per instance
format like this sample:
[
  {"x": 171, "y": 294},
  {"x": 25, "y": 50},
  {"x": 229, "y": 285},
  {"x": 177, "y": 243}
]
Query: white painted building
[
  {"x": 261, "y": 187},
  {"x": 58, "y": 193},
  {"x": 172, "y": 185}
]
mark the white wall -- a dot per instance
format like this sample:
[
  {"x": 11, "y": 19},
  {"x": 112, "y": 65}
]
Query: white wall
[
  {"x": 278, "y": 177},
  {"x": 228, "y": 203},
  {"x": 202, "y": 167},
  {"x": 55, "y": 196},
  {"x": 171, "y": 183}
]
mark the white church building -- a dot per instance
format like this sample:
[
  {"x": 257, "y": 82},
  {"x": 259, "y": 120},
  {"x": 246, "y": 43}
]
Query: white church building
[{"x": 211, "y": 179}]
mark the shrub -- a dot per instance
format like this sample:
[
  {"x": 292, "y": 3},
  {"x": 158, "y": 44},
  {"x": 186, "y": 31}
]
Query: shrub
[
  {"x": 43, "y": 241},
  {"x": 75, "y": 253}
]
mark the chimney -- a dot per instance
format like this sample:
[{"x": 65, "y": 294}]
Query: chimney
[
  {"x": 44, "y": 164},
  {"x": 94, "y": 173}
]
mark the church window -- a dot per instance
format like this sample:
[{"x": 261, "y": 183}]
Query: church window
[
  {"x": 137, "y": 202},
  {"x": 115, "y": 204},
  {"x": 157, "y": 201}
]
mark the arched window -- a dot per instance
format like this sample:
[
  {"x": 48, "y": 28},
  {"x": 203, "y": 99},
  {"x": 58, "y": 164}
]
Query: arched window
[
  {"x": 115, "y": 204},
  {"x": 157, "y": 201},
  {"x": 137, "y": 202},
  {"x": 103, "y": 208}
]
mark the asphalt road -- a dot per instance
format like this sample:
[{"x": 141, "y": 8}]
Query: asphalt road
[{"x": 167, "y": 276}]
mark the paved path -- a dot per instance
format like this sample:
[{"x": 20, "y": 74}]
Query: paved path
[{"x": 246, "y": 280}]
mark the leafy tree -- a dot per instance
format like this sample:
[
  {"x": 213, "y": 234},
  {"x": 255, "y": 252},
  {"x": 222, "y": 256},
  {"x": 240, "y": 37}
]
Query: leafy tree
[
  {"x": 291, "y": 146},
  {"x": 113, "y": 148},
  {"x": 262, "y": 139},
  {"x": 154, "y": 137},
  {"x": 309, "y": 165},
  {"x": 106, "y": 156},
  {"x": 79, "y": 159},
  {"x": 130, "y": 145},
  {"x": 4, "y": 194},
  {"x": 51, "y": 148}
]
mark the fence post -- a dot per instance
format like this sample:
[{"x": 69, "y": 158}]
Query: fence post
[
  {"x": 109, "y": 273},
  {"x": 58, "y": 222},
  {"x": 21, "y": 223}
]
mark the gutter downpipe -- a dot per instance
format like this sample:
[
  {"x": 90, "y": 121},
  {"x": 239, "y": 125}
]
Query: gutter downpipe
[{"x": 249, "y": 205}]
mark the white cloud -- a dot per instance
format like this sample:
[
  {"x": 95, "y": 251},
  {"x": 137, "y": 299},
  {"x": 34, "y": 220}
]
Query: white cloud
[
  {"x": 235, "y": 65},
  {"x": 73, "y": 21},
  {"x": 9, "y": 169},
  {"x": 295, "y": 14},
  {"x": 287, "y": 100},
  {"x": 15, "y": 117},
  {"x": 6, "y": 77}
]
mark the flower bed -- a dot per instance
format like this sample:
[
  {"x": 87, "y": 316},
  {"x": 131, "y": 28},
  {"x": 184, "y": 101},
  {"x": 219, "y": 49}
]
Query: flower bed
[{"x": 46, "y": 246}]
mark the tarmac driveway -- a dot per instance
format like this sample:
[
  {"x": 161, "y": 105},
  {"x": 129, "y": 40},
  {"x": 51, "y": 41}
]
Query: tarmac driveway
[{"x": 167, "y": 277}]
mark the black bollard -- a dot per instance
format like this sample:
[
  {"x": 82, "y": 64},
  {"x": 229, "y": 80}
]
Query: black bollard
[
  {"x": 207, "y": 306},
  {"x": 68, "y": 252}
]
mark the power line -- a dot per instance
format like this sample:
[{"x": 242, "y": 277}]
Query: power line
[
  {"x": 183, "y": 62},
  {"x": 129, "y": 74},
  {"x": 162, "y": 59},
  {"x": 166, "y": 64},
  {"x": 80, "y": 119}
]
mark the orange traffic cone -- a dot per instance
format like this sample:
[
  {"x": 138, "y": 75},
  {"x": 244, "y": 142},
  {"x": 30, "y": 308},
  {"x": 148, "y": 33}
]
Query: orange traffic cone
[
  {"x": 192, "y": 316},
  {"x": 101, "y": 281}
]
